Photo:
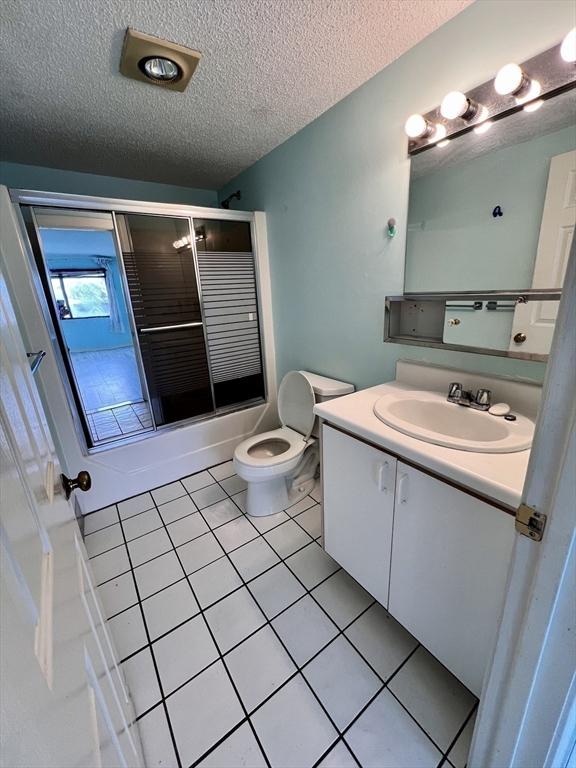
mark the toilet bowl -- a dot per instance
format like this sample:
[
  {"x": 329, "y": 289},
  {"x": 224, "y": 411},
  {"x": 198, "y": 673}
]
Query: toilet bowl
[{"x": 280, "y": 466}]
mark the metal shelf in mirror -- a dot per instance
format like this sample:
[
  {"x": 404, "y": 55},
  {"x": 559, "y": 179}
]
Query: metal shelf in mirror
[{"x": 472, "y": 321}]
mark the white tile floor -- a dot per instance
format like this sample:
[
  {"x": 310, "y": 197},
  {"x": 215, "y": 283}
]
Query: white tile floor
[{"x": 244, "y": 643}]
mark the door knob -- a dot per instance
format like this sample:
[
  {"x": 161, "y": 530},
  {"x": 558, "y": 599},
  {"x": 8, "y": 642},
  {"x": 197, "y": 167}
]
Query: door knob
[
  {"x": 83, "y": 481},
  {"x": 520, "y": 338}
]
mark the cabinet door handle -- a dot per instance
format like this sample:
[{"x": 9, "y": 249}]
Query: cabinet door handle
[
  {"x": 382, "y": 471},
  {"x": 403, "y": 488}
]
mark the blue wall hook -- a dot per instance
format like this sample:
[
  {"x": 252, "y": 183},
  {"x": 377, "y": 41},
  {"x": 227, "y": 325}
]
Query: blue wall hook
[{"x": 391, "y": 227}]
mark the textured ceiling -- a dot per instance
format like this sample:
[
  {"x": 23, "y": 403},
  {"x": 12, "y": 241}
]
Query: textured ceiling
[{"x": 269, "y": 67}]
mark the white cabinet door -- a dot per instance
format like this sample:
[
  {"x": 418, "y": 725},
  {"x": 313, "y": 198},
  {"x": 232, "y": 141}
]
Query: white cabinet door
[
  {"x": 358, "y": 505},
  {"x": 449, "y": 567}
]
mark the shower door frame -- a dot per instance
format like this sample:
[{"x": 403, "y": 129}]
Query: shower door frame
[{"x": 115, "y": 206}]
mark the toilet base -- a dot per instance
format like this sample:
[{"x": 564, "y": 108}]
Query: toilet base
[{"x": 274, "y": 495}]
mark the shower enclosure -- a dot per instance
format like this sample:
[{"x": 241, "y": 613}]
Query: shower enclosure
[{"x": 155, "y": 314}]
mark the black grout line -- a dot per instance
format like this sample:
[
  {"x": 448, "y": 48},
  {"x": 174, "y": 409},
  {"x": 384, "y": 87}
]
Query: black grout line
[
  {"x": 221, "y": 658},
  {"x": 462, "y": 727},
  {"x": 339, "y": 740},
  {"x": 223, "y": 597},
  {"x": 157, "y": 487},
  {"x": 156, "y": 508},
  {"x": 268, "y": 622},
  {"x": 211, "y": 530},
  {"x": 340, "y": 632},
  {"x": 221, "y": 740},
  {"x": 159, "y": 681},
  {"x": 300, "y": 668},
  {"x": 281, "y": 641},
  {"x": 244, "y": 582},
  {"x": 181, "y": 496}
]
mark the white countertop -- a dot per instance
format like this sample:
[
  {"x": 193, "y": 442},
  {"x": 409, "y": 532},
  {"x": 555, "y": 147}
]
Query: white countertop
[{"x": 497, "y": 476}]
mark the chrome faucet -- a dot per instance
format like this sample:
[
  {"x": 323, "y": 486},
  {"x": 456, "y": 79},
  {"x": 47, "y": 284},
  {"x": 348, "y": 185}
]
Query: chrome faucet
[{"x": 481, "y": 401}]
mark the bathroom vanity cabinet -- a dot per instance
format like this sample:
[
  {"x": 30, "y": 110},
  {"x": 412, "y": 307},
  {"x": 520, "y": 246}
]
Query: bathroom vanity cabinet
[{"x": 435, "y": 556}]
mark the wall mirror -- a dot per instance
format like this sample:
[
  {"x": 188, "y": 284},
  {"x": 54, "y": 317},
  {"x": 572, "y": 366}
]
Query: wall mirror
[{"x": 495, "y": 211}]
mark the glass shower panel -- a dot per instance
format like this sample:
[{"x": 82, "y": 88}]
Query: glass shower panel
[
  {"x": 161, "y": 276},
  {"x": 229, "y": 297},
  {"x": 80, "y": 270}
]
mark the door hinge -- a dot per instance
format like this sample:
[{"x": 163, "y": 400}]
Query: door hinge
[{"x": 530, "y": 523}]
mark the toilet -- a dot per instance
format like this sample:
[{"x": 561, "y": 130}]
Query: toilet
[{"x": 280, "y": 466}]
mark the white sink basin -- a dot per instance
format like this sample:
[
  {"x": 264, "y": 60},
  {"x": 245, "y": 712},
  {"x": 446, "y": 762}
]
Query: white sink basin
[{"x": 430, "y": 417}]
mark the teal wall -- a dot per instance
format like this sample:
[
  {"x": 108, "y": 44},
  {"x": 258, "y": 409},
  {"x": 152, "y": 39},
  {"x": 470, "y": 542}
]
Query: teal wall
[
  {"x": 43, "y": 179},
  {"x": 453, "y": 241},
  {"x": 330, "y": 189}
]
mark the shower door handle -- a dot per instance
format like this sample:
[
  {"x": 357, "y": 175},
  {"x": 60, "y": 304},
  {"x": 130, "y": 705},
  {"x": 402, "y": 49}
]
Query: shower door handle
[{"x": 171, "y": 327}]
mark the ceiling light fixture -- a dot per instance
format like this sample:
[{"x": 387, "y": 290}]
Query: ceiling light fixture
[
  {"x": 568, "y": 47},
  {"x": 457, "y": 104},
  {"x": 416, "y": 127},
  {"x": 157, "y": 62},
  {"x": 514, "y": 88}
]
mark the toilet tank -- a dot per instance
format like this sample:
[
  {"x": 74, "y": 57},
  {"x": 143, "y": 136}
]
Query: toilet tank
[{"x": 326, "y": 389}]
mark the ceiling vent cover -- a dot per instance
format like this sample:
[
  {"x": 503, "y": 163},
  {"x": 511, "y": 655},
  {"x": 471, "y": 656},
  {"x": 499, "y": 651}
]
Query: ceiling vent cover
[{"x": 158, "y": 62}]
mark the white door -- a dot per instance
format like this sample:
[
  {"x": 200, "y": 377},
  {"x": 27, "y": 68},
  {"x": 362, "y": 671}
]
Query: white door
[
  {"x": 535, "y": 320},
  {"x": 448, "y": 576},
  {"x": 63, "y": 701},
  {"x": 358, "y": 508}
]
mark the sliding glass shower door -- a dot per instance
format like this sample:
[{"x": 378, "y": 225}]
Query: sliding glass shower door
[
  {"x": 162, "y": 281},
  {"x": 156, "y": 313},
  {"x": 79, "y": 268},
  {"x": 230, "y": 299}
]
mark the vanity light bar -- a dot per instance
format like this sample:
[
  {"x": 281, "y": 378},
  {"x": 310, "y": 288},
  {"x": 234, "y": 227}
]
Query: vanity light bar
[{"x": 515, "y": 87}]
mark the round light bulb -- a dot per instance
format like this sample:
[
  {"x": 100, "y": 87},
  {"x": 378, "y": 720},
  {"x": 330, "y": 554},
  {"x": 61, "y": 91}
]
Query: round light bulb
[
  {"x": 508, "y": 80},
  {"x": 483, "y": 127},
  {"x": 443, "y": 144},
  {"x": 416, "y": 126},
  {"x": 454, "y": 105},
  {"x": 568, "y": 47}
]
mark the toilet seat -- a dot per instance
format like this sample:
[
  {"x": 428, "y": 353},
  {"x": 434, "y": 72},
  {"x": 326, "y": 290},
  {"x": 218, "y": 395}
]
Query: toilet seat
[
  {"x": 296, "y": 410},
  {"x": 296, "y": 401},
  {"x": 296, "y": 446}
]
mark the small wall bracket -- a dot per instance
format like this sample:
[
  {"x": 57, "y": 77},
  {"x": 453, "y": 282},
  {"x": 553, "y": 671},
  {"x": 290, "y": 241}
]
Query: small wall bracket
[{"x": 530, "y": 523}]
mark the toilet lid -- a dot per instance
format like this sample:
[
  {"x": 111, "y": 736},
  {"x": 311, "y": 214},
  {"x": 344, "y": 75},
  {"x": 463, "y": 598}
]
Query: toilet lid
[{"x": 296, "y": 403}]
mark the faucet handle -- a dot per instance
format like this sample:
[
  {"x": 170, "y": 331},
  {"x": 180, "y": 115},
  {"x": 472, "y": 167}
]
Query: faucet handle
[
  {"x": 454, "y": 390},
  {"x": 483, "y": 398}
]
